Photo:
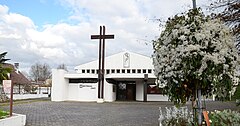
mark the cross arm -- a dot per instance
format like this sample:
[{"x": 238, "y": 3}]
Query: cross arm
[{"x": 102, "y": 36}]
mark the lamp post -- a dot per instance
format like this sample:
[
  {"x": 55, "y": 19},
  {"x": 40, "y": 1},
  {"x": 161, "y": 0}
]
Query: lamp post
[
  {"x": 194, "y": 4},
  {"x": 198, "y": 90}
]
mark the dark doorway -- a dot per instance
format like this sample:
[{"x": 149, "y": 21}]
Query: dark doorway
[{"x": 126, "y": 91}]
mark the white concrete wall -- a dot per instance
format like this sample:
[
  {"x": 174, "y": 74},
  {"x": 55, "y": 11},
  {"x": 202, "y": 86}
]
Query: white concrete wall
[
  {"x": 73, "y": 92},
  {"x": 137, "y": 61},
  {"x": 139, "y": 90},
  {"x": 156, "y": 97},
  {"x": 150, "y": 97},
  {"x": 83, "y": 92},
  {"x": 109, "y": 95},
  {"x": 43, "y": 90},
  {"x": 15, "y": 120},
  {"x": 88, "y": 92},
  {"x": 59, "y": 85}
]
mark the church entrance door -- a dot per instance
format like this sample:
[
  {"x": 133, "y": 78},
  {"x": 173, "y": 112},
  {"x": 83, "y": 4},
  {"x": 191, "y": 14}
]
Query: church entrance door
[{"x": 126, "y": 91}]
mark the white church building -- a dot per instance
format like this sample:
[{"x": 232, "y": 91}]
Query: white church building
[{"x": 128, "y": 77}]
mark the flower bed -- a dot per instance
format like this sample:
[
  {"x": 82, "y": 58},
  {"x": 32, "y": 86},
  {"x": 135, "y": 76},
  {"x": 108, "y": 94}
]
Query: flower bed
[{"x": 182, "y": 116}]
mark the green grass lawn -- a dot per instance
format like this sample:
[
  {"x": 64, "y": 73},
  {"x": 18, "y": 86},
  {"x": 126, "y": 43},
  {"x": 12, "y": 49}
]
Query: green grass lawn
[
  {"x": 3, "y": 114},
  {"x": 24, "y": 101}
]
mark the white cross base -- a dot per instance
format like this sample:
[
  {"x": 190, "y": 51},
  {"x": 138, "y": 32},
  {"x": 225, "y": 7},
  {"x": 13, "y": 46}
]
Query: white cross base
[{"x": 100, "y": 100}]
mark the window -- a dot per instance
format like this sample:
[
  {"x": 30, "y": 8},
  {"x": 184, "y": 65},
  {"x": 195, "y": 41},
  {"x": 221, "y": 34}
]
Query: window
[
  {"x": 123, "y": 71},
  {"x": 83, "y": 71},
  {"x": 128, "y": 71},
  {"x": 93, "y": 71},
  {"x": 108, "y": 71},
  {"x": 149, "y": 71},
  {"x": 154, "y": 89},
  {"x": 133, "y": 71},
  {"x": 113, "y": 71},
  {"x": 118, "y": 71},
  {"x": 97, "y": 71},
  {"x": 88, "y": 71},
  {"x": 139, "y": 71},
  {"x": 144, "y": 71}
]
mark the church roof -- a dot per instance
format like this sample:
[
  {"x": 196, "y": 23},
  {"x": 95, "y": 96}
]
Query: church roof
[{"x": 122, "y": 60}]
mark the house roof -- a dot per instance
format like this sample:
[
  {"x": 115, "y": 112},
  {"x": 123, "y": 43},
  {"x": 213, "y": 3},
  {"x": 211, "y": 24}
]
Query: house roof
[{"x": 16, "y": 76}]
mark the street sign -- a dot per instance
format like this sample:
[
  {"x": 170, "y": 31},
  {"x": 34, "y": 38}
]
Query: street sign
[{"x": 7, "y": 86}]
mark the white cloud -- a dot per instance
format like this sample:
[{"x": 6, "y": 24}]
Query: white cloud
[
  {"x": 9, "y": 36},
  {"x": 69, "y": 40},
  {"x": 3, "y": 9},
  {"x": 24, "y": 43},
  {"x": 45, "y": 38}
]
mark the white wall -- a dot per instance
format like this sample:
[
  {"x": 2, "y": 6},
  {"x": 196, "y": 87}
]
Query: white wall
[
  {"x": 137, "y": 61},
  {"x": 109, "y": 95},
  {"x": 73, "y": 92},
  {"x": 139, "y": 90},
  {"x": 82, "y": 92},
  {"x": 59, "y": 85},
  {"x": 156, "y": 97},
  {"x": 15, "y": 120},
  {"x": 150, "y": 97},
  {"x": 43, "y": 90},
  {"x": 88, "y": 92}
]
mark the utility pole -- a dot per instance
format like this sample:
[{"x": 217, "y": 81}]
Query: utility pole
[
  {"x": 198, "y": 90},
  {"x": 194, "y": 4}
]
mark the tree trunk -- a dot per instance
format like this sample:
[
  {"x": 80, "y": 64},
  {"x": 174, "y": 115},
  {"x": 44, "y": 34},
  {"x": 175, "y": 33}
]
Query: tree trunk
[{"x": 199, "y": 95}]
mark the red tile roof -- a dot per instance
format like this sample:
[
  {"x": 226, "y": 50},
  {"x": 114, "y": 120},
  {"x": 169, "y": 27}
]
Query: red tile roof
[{"x": 16, "y": 76}]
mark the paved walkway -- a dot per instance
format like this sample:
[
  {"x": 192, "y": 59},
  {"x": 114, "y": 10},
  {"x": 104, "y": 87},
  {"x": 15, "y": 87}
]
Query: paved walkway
[{"x": 47, "y": 113}]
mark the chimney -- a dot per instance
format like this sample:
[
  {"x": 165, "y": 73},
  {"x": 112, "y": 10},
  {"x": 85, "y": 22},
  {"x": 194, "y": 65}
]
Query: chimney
[{"x": 16, "y": 65}]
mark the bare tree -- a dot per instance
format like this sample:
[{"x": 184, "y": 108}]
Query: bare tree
[
  {"x": 40, "y": 72},
  {"x": 62, "y": 66}
]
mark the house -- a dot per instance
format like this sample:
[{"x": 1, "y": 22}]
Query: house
[
  {"x": 19, "y": 81},
  {"x": 128, "y": 76}
]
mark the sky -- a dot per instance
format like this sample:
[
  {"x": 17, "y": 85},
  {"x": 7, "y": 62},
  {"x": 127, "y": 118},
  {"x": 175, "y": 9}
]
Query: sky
[{"x": 58, "y": 31}]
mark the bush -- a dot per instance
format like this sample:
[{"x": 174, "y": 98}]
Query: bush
[
  {"x": 3, "y": 98},
  {"x": 225, "y": 118}
]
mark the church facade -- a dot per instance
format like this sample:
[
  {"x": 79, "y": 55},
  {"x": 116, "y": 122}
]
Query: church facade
[{"x": 128, "y": 76}]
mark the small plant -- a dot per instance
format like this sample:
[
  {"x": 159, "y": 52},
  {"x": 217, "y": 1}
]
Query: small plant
[
  {"x": 3, "y": 114},
  {"x": 176, "y": 117},
  {"x": 225, "y": 118}
]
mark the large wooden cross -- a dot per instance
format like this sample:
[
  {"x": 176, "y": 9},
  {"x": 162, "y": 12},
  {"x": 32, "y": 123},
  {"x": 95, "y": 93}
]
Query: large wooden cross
[{"x": 101, "y": 38}]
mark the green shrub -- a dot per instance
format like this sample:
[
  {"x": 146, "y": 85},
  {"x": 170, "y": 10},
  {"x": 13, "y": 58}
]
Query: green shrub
[{"x": 225, "y": 118}]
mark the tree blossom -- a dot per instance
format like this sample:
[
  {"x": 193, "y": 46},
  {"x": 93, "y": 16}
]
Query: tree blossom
[{"x": 195, "y": 51}]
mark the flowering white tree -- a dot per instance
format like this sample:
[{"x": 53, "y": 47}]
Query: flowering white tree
[{"x": 195, "y": 52}]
